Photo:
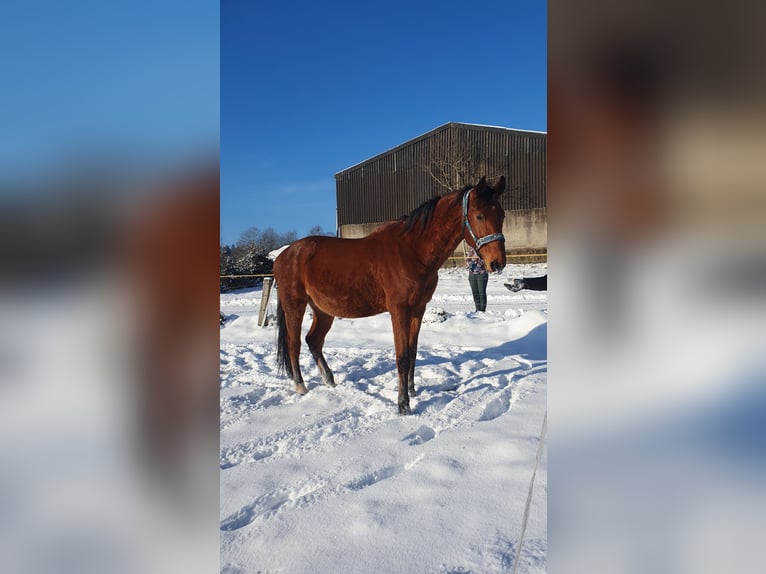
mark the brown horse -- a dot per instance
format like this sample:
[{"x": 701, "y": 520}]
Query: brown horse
[{"x": 393, "y": 269}]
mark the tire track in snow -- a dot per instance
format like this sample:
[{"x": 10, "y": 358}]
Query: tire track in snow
[
  {"x": 485, "y": 396},
  {"x": 312, "y": 491},
  {"x": 488, "y": 394},
  {"x": 449, "y": 404},
  {"x": 296, "y": 439},
  {"x": 365, "y": 407}
]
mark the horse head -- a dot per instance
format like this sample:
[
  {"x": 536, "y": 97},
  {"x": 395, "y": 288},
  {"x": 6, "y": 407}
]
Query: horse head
[{"x": 483, "y": 222}]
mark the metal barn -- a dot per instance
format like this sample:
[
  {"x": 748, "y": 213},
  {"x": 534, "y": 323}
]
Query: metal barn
[{"x": 395, "y": 182}]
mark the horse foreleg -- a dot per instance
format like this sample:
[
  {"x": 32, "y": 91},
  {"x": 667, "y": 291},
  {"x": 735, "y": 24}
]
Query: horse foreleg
[
  {"x": 401, "y": 324},
  {"x": 413, "y": 351},
  {"x": 315, "y": 340}
]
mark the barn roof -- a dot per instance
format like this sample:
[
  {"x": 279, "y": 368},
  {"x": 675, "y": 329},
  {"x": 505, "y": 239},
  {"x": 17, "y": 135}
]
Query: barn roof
[{"x": 428, "y": 134}]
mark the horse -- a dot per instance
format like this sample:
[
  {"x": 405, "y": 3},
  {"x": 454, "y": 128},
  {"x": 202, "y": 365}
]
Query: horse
[{"x": 394, "y": 268}]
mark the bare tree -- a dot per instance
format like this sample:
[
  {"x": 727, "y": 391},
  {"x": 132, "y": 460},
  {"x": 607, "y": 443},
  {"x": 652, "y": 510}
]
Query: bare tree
[
  {"x": 263, "y": 241},
  {"x": 454, "y": 162},
  {"x": 317, "y": 230},
  {"x": 251, "y": 237}
]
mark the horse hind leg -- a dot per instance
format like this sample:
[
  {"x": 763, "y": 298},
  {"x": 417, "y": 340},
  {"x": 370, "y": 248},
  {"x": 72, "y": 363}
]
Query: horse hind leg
[{"x": 315, "y": 340}]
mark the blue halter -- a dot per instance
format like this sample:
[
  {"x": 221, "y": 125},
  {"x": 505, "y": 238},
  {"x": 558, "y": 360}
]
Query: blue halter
[{"x": 479, "y": 241}]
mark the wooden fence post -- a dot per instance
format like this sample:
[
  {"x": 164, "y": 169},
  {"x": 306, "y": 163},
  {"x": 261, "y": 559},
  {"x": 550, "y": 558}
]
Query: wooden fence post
[{"x": 267, "y": 281}]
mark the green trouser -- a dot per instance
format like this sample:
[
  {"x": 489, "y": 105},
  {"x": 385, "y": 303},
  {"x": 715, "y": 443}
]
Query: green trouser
[{"x": 478, "y": 283}]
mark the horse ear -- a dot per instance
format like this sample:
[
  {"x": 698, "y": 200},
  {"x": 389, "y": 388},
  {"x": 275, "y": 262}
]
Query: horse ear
[
  {"x": 499, "y": 186},
  {"x": 482, "y": 185}
]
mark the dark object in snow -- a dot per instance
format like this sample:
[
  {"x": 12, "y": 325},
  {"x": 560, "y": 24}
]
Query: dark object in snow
[
  {"x": 531, "y": 283},
  {"x": 223, "y": 318},
  {"x": 434, "y": 315}
]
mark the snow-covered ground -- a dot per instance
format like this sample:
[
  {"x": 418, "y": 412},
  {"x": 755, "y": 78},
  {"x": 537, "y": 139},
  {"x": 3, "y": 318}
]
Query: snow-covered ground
[{"x": 337, "y": 481}]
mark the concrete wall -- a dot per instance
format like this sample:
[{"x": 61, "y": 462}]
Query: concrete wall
[
  {"x": 357, "y": 230},
  {"x": 526, "y": 230}
]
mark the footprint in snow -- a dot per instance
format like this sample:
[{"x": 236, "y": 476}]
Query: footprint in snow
[
  {"x": 496, "y": 407},
  {"x": 423, "y": 434}
]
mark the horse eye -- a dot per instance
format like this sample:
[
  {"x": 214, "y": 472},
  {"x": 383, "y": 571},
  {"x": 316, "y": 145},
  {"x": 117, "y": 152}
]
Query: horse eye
[{"x": 480, "y": 217}]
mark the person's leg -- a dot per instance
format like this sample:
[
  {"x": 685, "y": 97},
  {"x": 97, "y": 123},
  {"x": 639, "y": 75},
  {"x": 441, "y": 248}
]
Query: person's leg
[
  {"x": 482, "y": 287},
  {"x": 473, "y": 281}
]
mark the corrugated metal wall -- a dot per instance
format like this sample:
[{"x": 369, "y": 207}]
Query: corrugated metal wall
[{"x": 395, "y": 182}]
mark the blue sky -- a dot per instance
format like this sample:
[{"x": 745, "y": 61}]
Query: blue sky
[
  {"x": 310, "y": 88},
  {"x": 131, "y": 81}
]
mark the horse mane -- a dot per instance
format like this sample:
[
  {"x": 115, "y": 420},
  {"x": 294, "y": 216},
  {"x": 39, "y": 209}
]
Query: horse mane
[{"x": 423, "y": 214}]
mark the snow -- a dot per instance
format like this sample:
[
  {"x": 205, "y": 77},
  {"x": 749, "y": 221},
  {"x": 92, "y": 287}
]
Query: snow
[
  {"x": 337, "y": 481},
  {"x": 274, "y": 254},
  {"x": 503, "y": 128}
]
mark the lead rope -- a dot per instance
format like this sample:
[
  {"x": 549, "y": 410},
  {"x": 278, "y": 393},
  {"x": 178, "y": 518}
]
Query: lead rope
[{"x": 529, "y": 496}]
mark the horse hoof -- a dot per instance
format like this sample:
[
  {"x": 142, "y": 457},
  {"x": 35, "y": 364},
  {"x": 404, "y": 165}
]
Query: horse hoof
[
  {"x": 405, "y": 410},
  {"x": 301, "y": 389}
]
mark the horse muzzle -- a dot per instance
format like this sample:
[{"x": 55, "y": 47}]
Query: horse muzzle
[
  {"x": 494, "y": 258},
  {"x": 494, "y": 265}
]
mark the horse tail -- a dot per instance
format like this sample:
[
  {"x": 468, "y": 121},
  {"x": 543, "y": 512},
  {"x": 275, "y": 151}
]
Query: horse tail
[{"x": 283, "y": 356}]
